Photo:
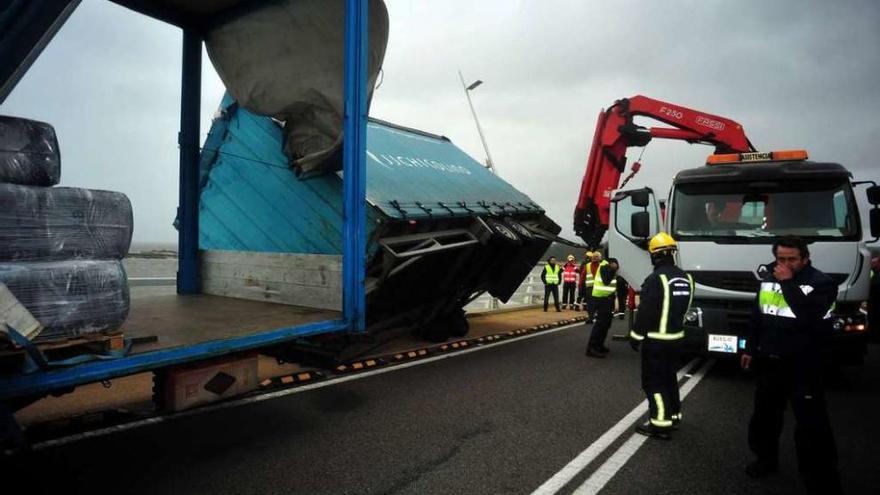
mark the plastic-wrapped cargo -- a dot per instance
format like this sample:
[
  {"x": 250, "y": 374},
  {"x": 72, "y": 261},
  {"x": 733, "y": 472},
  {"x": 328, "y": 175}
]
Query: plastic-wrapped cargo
[
  {"x": 28, "y": 152},
  {"x": 70, "y": 298},
  {"x": 59, "y": 223}
]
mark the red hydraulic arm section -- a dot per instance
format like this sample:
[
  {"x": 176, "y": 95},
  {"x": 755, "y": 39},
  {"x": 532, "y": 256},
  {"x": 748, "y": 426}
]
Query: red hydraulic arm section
[{"x": 615, "y": 132}]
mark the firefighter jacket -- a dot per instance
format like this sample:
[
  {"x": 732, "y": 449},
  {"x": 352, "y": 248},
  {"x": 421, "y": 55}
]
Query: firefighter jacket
[
  {"x": 570, "y": 272},
  {"x": 792, "y": 318},
  {"x": 666, "y": 295},
  {"x": 605, "y": 283},
  {"x": 550, "y": 274}
]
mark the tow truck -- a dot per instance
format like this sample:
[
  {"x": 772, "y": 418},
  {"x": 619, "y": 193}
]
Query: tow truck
[{"x": 725, "y": 216}]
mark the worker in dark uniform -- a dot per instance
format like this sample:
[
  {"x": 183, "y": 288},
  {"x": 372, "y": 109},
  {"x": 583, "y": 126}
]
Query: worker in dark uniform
[
  {"x": 551, "y": 277},
  {"x": 874, "y": 300},
  {"x": 790, "y": 334},
  {"x": 666, "y": 295},
  {"x": 604, "y": 289}
]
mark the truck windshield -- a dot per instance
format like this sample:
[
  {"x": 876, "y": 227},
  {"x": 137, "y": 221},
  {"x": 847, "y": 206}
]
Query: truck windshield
[{"x": 756, "y": 211}]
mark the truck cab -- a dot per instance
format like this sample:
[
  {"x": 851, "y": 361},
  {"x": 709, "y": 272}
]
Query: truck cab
[{"x": 726, "y": 216}]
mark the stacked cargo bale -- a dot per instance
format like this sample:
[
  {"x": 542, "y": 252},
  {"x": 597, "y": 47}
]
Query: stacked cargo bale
[{"x": 60, "y": 248}]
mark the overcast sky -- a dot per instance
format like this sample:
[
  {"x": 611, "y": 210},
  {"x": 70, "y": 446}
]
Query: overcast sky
[{"x": 795, "y": 74}]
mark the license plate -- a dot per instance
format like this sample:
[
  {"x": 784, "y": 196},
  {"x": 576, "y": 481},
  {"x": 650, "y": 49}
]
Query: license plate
[{"x": 722, "y": 343}]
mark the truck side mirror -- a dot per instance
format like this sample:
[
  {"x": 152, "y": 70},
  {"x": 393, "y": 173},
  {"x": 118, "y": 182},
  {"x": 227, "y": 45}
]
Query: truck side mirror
[
  {"x": 873, "y": 193},
  {"x": 874, "y": 217},
  {"x": 640, "y": 224},
  {"x": 641, "y": 199}
]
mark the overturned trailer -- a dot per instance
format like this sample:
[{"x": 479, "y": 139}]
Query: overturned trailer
[{"x": 441, "y": 229}]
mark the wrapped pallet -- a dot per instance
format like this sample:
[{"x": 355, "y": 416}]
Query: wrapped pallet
[
  {"x": 60, "y": 223},
  {"x": 28, "y": 152},
  {"x": 70, "y": 298}
]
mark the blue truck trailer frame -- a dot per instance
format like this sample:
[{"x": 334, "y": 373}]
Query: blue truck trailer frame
[{"x": 34, "y": 23}]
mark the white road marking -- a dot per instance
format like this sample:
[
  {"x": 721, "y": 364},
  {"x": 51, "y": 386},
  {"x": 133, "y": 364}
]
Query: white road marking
[
  {"x": 281, "y": 393},
  {"x": 609, "y": 468},
  {"x": 579, "y": 463}
]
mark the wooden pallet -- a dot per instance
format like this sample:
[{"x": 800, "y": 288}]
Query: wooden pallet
[{"x": 13, "y": 358}]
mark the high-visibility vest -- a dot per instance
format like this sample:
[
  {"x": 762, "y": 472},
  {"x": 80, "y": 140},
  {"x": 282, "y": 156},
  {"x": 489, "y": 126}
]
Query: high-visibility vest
[
  {"x": 570, "y": 273},
  {"x": 773, "y": 303},
  {"x": 588, "y": 275},
  {"x": 678, "y": 287},
  {"x": 600, "y": 288},
  {"x": 551, "y": 274}
]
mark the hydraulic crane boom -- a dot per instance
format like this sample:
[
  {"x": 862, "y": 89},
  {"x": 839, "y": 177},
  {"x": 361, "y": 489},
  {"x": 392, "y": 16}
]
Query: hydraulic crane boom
[{"x": 615, "y": 132}]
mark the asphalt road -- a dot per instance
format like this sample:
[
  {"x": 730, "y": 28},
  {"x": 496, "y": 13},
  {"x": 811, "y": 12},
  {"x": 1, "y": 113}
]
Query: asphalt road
[{"x": 500, "y": 420}]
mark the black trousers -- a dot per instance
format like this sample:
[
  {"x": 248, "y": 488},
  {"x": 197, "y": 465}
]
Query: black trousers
[
  {"x": 568, "y": 290},
  {"x": 591, "y": 301},
  {"x": 604, "y": 307},
  {"x": 799, "y": 383},
  {"x": 622, "y": 293},
  {"x": 554, "y": 291},
  {"x": 660, "y": 361}
]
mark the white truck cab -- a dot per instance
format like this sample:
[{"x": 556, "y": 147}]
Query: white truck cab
[{"x": 726, "y": 216}]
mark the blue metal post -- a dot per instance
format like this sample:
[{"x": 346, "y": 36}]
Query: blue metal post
[
  {"x": 188, "y": 139},
  {"x": 354, "y": 163}
]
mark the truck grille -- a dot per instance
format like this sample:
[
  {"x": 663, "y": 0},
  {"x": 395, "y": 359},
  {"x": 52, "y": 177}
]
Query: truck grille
[
  {"x": 729, "y": 280},
  {"x": 742, "y": 281}
]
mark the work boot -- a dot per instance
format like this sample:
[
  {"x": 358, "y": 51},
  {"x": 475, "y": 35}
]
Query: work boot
[
  {"x": 603, "y": 349},
  {"x": 565, "y": 306},
  {"x": 595, "y": 352},
  {"x": 760, "y": 469},
  {"x": 649, "y": 430}
]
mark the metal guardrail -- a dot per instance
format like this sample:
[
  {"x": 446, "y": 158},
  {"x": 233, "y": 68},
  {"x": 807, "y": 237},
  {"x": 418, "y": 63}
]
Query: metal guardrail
[{"x": 529, "y": 293}]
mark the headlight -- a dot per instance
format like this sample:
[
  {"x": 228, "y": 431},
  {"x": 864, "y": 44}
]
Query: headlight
[{"x": 694, "y": 316}]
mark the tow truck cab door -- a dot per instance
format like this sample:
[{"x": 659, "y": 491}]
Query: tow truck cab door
[{"x": 634, "y": 219}]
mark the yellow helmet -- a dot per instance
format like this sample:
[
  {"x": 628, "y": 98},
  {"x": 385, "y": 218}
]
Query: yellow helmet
[
  {"x": 589, "y": 254},
  {"x": 570, "y": 257},
  {"x": 662, "y": 242}
]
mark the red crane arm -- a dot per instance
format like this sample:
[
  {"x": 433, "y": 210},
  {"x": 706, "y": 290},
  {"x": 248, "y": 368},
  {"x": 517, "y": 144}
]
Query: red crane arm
[{"x": 615, "y": 132}]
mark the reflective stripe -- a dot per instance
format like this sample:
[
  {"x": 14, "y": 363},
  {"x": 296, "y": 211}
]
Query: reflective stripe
[
  {"x": 773, "y": 303},
  {"x": 633, "y": 335},
  {"x": 660, "y": 420},
  {"x": 664, "y": 312},
  {"x": 666, "y": 335},
  {"x": 693, "y": 289}
]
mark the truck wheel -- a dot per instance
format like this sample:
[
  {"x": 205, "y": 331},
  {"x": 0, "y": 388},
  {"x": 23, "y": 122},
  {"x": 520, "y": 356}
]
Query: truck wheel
[
  {"x": 520, "y": 230},
  {"x": 458, "y": 325},
  {"x": 502, "y": 233},
  {"x": 436, "y": 331}
]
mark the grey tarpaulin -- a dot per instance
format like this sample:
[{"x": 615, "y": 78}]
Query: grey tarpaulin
[{"x": 286, "y": 60}]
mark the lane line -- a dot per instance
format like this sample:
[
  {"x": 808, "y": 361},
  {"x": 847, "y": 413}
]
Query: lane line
[
  {"x": 610, "y": 467},
  {"x": 579, "y": 463},
  {"x": 281, "y": 393}
]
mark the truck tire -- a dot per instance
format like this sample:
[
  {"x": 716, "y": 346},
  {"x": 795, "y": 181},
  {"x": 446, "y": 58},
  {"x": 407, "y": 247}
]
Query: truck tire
[
  {"x": 436, "y": 331},
  {"x": 62, "y": 223},
  {"x": 28, "y": 152},
  {"x": 458, "y": 324},
  {"x": 70, "y": 298},
  {"x": 520, "y": 229},
  {"x": 503, "y": 234}
]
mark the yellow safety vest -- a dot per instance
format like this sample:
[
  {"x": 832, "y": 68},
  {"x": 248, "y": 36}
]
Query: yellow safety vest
[
  {"x": 600, "y": 288},
  {"x": 551, "y": 274}
]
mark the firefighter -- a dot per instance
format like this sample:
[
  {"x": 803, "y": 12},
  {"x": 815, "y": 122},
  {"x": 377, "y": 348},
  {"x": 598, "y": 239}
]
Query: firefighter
[
  {"x": 790, "y": 334},
  {"x": 666, "y": 295},
  {"x": 585, "y": 286},
  {"x": 569, "y": 282},
  {"x": 551, "y": 278},
  {"x": 604, "y": 289}
]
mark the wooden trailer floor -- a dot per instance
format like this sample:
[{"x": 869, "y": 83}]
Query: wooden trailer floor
[{"x": 177, "y": 320}]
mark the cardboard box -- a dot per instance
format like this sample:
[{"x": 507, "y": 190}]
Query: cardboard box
[{"x": 196, "y": 385}]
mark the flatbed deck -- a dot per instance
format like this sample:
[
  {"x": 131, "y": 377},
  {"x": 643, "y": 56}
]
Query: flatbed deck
[{"x": 180, "y": 320}]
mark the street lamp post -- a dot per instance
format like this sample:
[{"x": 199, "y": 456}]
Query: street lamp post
[{"x": 467, "y": 92}]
